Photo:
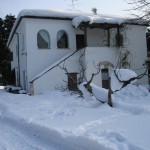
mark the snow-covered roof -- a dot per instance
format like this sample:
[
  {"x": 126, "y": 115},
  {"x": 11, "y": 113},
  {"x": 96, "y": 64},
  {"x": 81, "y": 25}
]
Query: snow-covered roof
[
  {"x": 58, "y": 13},
  {"x": 97, "y": 19},
  {"x": 77, "y": 18},
  {"x": 43, "y": 13}
]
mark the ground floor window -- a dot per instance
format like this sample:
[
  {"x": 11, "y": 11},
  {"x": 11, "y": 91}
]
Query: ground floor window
[{"x": 72, "y": 81}]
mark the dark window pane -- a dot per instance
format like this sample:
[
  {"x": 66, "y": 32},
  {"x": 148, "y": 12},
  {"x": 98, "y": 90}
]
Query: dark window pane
[
  {"x": 43, "y": 40},
  {"x": 62, "y": 39},
  {"x": 72, "y": 81}
]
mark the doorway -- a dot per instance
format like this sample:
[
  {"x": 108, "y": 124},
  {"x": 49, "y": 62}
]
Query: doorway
[{"x": 80, "y": 42}]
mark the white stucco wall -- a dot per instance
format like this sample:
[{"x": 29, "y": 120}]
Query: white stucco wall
[
  {"x": 19, "y": 36},
  {"x": 56, "y": 77},
  {"x": 39, "y": 59},
  {"x": 136, "y": 44},
  {"x": 13, "y": 47},
  {"x": 95, "y": 55},
  {"x": 96, "y": 37}
]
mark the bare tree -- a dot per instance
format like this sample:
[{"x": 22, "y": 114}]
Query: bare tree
[{"x": 140, "y": 8}]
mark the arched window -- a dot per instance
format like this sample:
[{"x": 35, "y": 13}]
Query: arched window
[
  {"x": 62, "y": 39},
  {"x": 43, "y": 39}
]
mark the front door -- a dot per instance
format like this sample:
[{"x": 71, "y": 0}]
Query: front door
[{"x": 105, "y": 78}]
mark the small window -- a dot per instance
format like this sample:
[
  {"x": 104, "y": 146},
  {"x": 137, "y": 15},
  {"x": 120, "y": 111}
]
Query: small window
[
  {"x": 72, "y": 81},
  {"x": 62, "y": 39},
  {"x": 43, "y": 39}
]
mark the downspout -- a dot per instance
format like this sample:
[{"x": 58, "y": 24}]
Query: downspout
[{"x": 18, "y": 57}]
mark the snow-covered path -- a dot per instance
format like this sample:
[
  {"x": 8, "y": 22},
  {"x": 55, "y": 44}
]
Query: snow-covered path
[
  {"x": 18, "y": 134},
  {"x": 21, "y": 136},
  {"x": 12, "y": 139},
  {"x": 58, "y": 121}
]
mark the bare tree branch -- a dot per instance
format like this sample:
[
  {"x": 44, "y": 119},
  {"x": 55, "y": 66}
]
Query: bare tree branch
[{"x": 140, "y": 8}]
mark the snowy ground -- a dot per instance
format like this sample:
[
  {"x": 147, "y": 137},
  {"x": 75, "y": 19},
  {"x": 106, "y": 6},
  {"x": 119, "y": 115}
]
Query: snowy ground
[{"x": 58, "y": 121}]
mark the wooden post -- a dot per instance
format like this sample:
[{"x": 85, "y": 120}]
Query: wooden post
[
  {"x": 109, "y": 94},
  {"x": 31, "y": 88}
]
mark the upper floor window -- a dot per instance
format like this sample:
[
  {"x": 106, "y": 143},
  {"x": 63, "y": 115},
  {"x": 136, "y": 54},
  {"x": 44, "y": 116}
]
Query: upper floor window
[
  {"x": 43, "y": 39},
  {"x": 62, "y": 39}
]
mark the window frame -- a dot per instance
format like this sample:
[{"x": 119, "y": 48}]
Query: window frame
[
  {"x": 66, "y": 42},
  {"x": 72, "y": 81},
  {"x": 48, "y": 40}
]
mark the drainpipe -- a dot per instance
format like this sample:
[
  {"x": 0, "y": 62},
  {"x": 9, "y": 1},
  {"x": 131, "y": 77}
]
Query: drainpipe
[{"x": 18, "y": 57}]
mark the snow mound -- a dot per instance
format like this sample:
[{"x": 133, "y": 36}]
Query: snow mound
[
  {"x": 123, "y": 75},
  {"x": 13, "y": 88},
  {"x": 1, "y": 87},
  {"x": 99, "y": 93},
  {"x": 85, "y": 93},
  {"x": 133, "y": 91}
]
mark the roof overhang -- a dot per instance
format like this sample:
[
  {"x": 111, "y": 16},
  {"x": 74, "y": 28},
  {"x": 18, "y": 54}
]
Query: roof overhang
[
  {"x": 98, "y": 21},
  {"x": 105, "y": 26}
]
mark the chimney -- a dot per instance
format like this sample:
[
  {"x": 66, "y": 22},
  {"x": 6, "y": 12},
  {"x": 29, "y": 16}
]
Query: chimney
[{"x": 94, "y": 10}]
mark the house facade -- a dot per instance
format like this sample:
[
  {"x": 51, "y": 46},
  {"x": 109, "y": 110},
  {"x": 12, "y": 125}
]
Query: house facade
[{"x": 57, "y": 49}]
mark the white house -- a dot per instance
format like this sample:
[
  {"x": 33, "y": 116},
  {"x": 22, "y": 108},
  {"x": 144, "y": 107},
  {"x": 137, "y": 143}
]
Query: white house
[{"x": 53, "y": 46}]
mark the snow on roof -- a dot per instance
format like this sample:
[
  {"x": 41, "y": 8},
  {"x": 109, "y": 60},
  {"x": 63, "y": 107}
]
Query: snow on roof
[
  {"x": 97, "y": 19},
  {"x": 50, "y": 13},
  {"x": 77, "y": 16},
  {"x": 61, "y": 13}
]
